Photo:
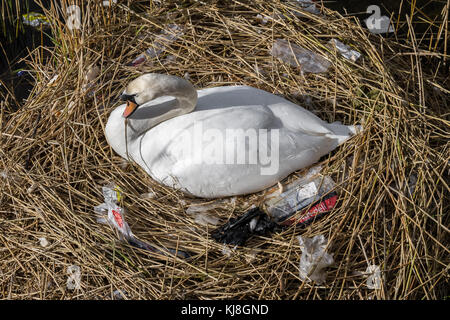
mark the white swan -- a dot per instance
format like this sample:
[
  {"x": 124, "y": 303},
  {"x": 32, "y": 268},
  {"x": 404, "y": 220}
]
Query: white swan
[{"x": 201, "y": 152}]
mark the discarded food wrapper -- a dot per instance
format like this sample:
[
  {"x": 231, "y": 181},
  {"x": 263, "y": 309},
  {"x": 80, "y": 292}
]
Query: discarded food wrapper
[
  {"x": 289, "y": 207},
  {"x": 374, "y": 277},
  {"x": 298, "y": 56},
  {"x": 35, "y": 19},
  {"x": 111, "y": 212},
  {"x": 162, "y": 40},
  {"x": 314, "y": 258},
  {"x": 345, "y": 50},
  {"x": 302, "y": 201}
]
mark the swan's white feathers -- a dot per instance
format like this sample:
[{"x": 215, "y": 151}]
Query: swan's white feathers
[{"x": 158, "y": 147}]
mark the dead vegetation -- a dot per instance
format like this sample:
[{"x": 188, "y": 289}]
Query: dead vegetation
[{"x": 392, "y": 180}]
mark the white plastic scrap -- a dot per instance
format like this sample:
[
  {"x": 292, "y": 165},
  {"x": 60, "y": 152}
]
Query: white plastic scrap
[
  {"x": 345, "y": 50},
  {"x": 119, "y": 294},
  {"x": 314, "y": 258},
  {"x": 149, "y": 195},
  {"x": 201, "y": 215},
  {"x": 107, "y": 3},
  {"x": 227, "y": 250},
  {"x": 298, "y": 56},
  {"x": 262, "y": 19},
  {"x": 110, "y": 212},
  {"x": 43, "y": 242},
  {"x": 52, "y": 80},
  {"x": 374, "y": 279}
]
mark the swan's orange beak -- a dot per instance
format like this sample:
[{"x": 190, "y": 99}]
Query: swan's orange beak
[{"x": 130, "y": 109}]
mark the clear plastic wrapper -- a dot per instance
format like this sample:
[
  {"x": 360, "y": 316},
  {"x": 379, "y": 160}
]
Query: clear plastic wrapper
[
  {"x": 345, "y": 50},
  {"x": 299, "y": 202},
  {"x": 289, "y": 207},
  {"x": 314, "y": 258},
  {"x": 374, "y": 277},
  {"x": 110, "y": 212},
  {"x": 298, "y": 56}
]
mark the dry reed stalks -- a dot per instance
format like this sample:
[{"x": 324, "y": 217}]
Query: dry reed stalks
[{"x": 54, "y": 160}]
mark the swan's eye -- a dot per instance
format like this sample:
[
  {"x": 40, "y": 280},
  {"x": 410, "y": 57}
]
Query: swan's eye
[{"x": 126, "y": 97}]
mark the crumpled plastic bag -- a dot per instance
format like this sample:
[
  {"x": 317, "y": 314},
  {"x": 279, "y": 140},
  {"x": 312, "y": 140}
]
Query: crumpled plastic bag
[
  {"x": 110, "y": 212},
  {"x": 345, "y": 50},
  {"x": 297, "y": 56},
  {"x": 314, "y": 258},
  {"x": 374, "y": 277}
]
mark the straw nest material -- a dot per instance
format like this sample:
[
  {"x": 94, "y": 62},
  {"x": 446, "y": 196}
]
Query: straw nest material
[{"x": 392, "y": 179}]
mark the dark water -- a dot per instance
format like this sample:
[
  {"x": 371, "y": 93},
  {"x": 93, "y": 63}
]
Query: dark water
[
  {"x": 27, "y": 38},
  {"x": 17, "y": 40}
]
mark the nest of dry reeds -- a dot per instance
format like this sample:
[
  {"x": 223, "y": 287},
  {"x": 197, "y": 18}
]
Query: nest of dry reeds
[{"x": 392, "y": 179}]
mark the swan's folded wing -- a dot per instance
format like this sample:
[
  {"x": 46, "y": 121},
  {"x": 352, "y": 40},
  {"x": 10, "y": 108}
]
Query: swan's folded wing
[{"x": 199, "y": 137}]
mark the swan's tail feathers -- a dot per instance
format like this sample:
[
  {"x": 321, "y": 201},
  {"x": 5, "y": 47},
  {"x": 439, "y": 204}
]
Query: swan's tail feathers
[{"x": 342, "y": 133}]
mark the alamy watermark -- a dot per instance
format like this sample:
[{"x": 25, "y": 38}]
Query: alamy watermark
[{"x": 230, "y": 147}]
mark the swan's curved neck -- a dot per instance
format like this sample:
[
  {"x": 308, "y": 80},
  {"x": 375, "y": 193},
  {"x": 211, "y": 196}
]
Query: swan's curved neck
[
  {"x": 151, "y": 113},
  {"x": 155, "y": 113}
]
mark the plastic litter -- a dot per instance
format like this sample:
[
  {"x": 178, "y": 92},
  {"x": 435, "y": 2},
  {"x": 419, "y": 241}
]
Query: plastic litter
[
  {"x": 107, "y": 3},
  {"x": 227, "y": 251},
  {"x": 237, "y": 230},
  {"x": 35, "y": 19},
  {"x": 298, "y": 56},
  {"x": 287, "y": 208},
  {"x": 43, "y": 242},
  {"x": 306, "y": 5},
  {"x": 262, "y": 19},
  {"x": 53, "y": 79},
  {"x": 345, "y": 50},
  {"x": 162, "y": 40},
  {"x": 110, "y": 212},
  {"x": 300, "y": 202},
  {"x": 149, "y": 195},
  {"x": 32, "y": 188},
  {"x": 374, "y": 278},
  {"x": 119, "y": 294},
  {"x": 201, "y": 211},
  {"x": 74, "y": 279},
  {"x": 314, "y": 258}
]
